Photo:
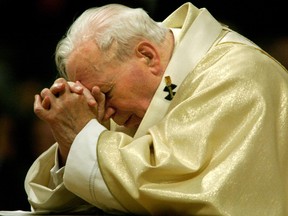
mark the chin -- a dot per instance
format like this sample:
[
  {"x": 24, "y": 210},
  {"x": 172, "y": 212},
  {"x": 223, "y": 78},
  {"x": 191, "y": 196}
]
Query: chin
[
  {"x": 133, "y": 122},
  {"x": 132, "y": 125}
]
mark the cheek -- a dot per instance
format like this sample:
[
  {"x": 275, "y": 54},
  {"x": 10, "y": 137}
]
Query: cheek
[
  {"x": 133, "y": 106},
  {"x": 120, "y": 103},
  {"x": 128, "y": 98}
]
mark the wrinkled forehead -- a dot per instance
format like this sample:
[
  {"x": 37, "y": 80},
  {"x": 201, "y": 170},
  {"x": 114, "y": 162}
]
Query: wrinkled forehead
[
  {"x": 84, "y": 57},
  {"x": 85, "y": 64}
]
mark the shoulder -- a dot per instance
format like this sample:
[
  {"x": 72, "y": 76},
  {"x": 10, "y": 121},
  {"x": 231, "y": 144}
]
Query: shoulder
[
  {"x": 238, "y": 58},
  {"x": 234, "y": 66}
]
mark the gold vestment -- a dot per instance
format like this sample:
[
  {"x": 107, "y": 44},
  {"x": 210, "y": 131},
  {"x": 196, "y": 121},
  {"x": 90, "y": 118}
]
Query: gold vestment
[{"x": 221, "y": 147}]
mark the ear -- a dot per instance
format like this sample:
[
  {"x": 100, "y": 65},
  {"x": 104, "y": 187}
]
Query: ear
[{"x": 149, "y": 54}]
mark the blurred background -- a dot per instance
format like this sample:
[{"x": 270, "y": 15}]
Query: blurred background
[{"x": 29, "y": 32}]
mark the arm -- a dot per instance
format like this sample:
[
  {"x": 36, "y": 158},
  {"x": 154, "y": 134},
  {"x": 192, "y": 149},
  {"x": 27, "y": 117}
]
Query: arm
[
  {"x": 81, "y": 168},
  {"x": 55, "y": 108},
  {"x": 66, "y": 112}
]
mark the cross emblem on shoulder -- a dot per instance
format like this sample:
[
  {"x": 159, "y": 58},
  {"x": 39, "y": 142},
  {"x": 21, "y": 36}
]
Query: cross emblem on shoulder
[{"x": 169, "y": 88}]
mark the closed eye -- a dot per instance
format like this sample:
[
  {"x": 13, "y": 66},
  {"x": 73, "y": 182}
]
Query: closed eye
[{"x": 108, "y": 94}]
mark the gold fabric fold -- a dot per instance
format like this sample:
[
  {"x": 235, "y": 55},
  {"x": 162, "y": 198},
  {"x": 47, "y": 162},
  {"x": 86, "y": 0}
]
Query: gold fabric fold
[{"x": 221, "y": 149}]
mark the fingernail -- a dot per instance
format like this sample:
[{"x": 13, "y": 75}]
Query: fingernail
[{"x": 92, "y": 102}]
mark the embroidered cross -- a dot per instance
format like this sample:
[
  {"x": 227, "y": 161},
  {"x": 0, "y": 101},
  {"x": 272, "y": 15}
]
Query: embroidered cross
[{"x": 169, "y": 88}]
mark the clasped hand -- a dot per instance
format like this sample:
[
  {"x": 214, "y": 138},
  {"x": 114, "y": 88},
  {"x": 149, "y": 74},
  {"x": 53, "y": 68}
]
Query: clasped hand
[{"x": 67, "y": 107}]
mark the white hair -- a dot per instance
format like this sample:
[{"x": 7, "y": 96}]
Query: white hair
[{"x": 109, "y": 25}]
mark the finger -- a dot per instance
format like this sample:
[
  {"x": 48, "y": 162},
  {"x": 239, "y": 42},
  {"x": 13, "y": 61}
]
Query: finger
[
  {"x": 47, "y": 98},
  {"x": 46, "y": 103},
  {"x": 44, "y": 93},
  {"x": 100, "y": 98},
  {"x": 109, "y": 113},
  {"x": 60, "y": 80},
  {"x": 57, "y": 88},
  {"x": 76, "y": 87},
  {"x": 38, "y": 109},
  {"x": 89, "y": 97}
]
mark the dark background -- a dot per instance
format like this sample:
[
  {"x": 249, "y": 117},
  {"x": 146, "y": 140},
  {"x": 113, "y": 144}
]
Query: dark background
[{"x": 29, "y": 32}]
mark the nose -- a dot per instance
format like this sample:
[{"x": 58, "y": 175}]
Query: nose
[{"x": 109, "y": 113}]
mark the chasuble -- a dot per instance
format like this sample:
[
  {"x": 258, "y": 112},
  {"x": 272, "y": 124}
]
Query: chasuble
[{"x": 219, "y": 147}]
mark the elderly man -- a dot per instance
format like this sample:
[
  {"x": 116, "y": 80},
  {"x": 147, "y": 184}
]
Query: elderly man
[{"x": 180, "y": 117}]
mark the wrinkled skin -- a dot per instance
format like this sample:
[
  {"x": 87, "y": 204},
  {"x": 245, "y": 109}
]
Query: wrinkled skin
[{"x": 54, "y": 106}]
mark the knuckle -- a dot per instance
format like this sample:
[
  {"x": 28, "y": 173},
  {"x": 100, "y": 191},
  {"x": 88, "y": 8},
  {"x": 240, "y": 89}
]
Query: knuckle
[
  {"x": 38, "y": 111},
  {"x": 44, "y": 92},
  {"x": 60, "y": 80}
]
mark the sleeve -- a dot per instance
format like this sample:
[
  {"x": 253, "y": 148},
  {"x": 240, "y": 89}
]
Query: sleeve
[
  {"x": 70, "y": 188},
  {"x": 82, "y": 175},
  {"x": 42, "y": 194},
  {"x": 56, "y": 173},
  {"x": 218, "y": 151}
]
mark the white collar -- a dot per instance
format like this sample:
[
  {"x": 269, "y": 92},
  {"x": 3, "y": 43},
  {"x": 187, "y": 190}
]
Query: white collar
[
  {"x": 194, "y": 45},
  {"x": 176, "y": 33}
]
